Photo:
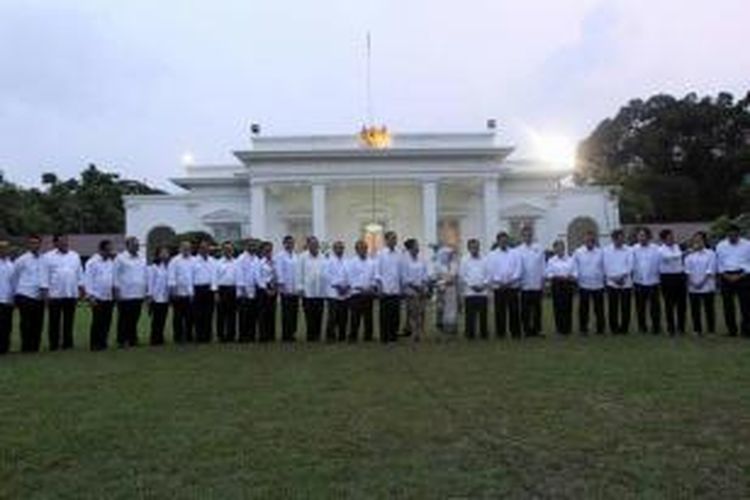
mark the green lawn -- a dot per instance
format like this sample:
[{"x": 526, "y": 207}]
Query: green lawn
[{"x": 605, "y": 417}]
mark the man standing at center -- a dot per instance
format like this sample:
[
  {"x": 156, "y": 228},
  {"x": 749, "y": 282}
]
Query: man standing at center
[
  {"x": 532, "y": 282},
  {"x": 589, "y": 261},
  {"x": 504, "y": 268},
  {"x": 204, "y": 292},
  {"x": 286, "y": 271},
  {"x": 62, "y": 285},
  {"x": 388, "y": 279},
  {"x": 618, "y": 269},
  {"x": 312, "y": 287},
  {"x": 131, "y": 288}
]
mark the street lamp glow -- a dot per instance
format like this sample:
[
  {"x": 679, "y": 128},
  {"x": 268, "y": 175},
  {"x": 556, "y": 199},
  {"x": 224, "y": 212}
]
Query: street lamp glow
[{"x": 553, "y": 148}]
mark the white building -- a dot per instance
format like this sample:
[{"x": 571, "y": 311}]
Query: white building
[{"x": 440, "y": 188}]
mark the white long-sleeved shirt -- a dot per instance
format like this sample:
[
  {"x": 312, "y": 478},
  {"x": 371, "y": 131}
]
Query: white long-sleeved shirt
[
  {"x": 62, "y": 274},
  {"x": 310, "y": 276},
  {"x": 227, "y": 272},
  {"x": 618, "y": 263},
  {"x": 671, "y": 259},
  {"x": 388, "y": 271},
  {"x": 7, "y": 269},
  {"x": 99, "y": 278},
  {"x": 204, "y": 272},
  {"x": 266, "y": 277},
  {"x": 473, "y": 273},
  {"x": 561, "y": 267},
  {"x": 733, "y": 257},
  {"x": 247, "y": 268},
  {"x": 700, "y": 268},
  {"x": 504, "y": 268},
  {"x": 131, "y": 276},
  {"x": 158, "y": 283},
  {"x": 286, "y": 264},
  {"x": 590, "y": 267},
  {"x": 414, "y": 275},
  {"x": 336, "y": 278},
  {"x": 27, "y": 277},
  {"x": 532, "y": 266},
  {"x": 360, "y": 274},
  {"x": 646, "y": 264},
  {"x": 180, "y": 276}
]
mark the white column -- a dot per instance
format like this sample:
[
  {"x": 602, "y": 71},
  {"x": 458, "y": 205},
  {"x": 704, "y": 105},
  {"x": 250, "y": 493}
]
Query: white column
[
  {"x": 429, "y": 213},
  {"x": 489, "y": 212},
  {"x": 258, "y": 211},
  {"x": 319, "y": 211}
]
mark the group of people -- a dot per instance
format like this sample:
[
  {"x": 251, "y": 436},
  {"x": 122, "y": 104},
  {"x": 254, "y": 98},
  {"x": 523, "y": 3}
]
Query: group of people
[{"x": 237, "y": 296}]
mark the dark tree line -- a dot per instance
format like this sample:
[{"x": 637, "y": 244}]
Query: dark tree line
[
  {"x": 91, "y": 203},
  {"x": 676, "y": 159}
]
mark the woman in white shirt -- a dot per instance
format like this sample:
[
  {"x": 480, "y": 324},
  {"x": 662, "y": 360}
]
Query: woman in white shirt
[
  {"x": 562, "y": 275},
  {"x": 672, "y": 276},
  {"x": 700, "y": 268},
  {"x": 158, "y": 294},
  {"x": 416, "y": 288}
]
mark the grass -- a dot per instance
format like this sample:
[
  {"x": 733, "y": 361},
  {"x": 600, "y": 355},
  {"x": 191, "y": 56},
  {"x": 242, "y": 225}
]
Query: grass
[{"x": 613, "y": 417}]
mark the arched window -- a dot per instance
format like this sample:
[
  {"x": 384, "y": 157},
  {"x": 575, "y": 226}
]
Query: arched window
[
  {"x": 578, "y": 228},
  {"x": 159, "y": 236}
]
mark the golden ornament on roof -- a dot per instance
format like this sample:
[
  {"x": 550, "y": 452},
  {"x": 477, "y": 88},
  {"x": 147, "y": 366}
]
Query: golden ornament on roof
[{"x": 375, "y": 137}]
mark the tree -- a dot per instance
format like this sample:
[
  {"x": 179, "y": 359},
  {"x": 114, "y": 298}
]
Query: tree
[{"x": 677, "y": 159}]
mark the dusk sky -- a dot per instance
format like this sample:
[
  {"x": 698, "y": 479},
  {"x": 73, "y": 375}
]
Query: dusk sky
[{"x": 133, "y": 85}]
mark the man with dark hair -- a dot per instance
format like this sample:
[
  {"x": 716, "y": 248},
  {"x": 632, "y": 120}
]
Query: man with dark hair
[
  {"x": 360, "y": 273},
  {"x": 589, "y": 260},
  {"x": 99, "y": 286},
  {"x": 618, "y": 270},
  {"x": 733, "y": 262},
  {"x": 61, "y": 285},
  {"x": 505, "y": 270},
  {"x": 338, "y": 292},
  {"x": 266, "y": 290},
  {"x": 474, "y": 285},
  {"x": 131, "y": 288},
  {"x": 673, "y": 282},
  {"x": 646, "y": 261},
  {"x": 532, "y": 282},
  {"x": 204, "y": 291},
  {"x": 27, "y": 276},
  {"x": 6, "y": 296},
  {"x": 286, "y": 262},
  {"x": 227, "y": 281},
  {"x": 180, "y": 281},
  {"x": 388, "y": 265},
  {"x": 312, "y": 288},
  {"x": 700, "y": 269},
  {"x": 248, "y": 309}
]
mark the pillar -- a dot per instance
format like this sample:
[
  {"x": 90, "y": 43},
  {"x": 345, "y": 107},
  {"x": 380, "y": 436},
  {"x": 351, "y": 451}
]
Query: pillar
[
  {"x": 489, "y": 211},
  {"x": 429, "y": 213},
  {"x": 319, "y": 211},
  {"x": 258, "y": 211}
]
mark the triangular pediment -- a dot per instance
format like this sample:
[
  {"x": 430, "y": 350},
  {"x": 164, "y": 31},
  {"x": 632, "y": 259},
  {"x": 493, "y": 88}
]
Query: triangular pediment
[
  {"x": 223, "y": 215},
  {"x": 522, "y": 210}
]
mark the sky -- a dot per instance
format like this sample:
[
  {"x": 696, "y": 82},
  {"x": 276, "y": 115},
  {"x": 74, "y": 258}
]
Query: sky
[{"x": 133, "y": 86}]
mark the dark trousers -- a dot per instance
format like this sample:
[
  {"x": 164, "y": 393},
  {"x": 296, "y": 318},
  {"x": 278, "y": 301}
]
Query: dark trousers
[
  {"x": 31, "y": 312},
  {"x": 360, "y": 307},
  {"x": 203, "y": 313},
  {"x": 6, "y": 325},
  {"x": 562, "y": 305},
  {"x": 289, "y": 311},
  {"x": 475, "y": 311},
  {"x": 703, "y": 301},
  {"x": 507, "y": 312},
  {"x": 182, "y": 320},
  {"x": 226, "y": 314},
  {"x": 531, "y": 312},
  {"x": 618, "y": 307},
  {"x": 390, "y": 317},
  {"x": 266, "y": 315},
  {"x": 674, "y": 291},
  {"x": 647, "y": 297},
  {"x": 731, "y": 293},
  {"x": 62, "y": 312},
  {"x": 158, "y": 312},
  {"x": 313, "y": 309},
  {"x": 338, "y": 314},
  {"x": 101, "y": 322},
  {"x": 248, "y": 319},
  {"x": 585, "y": 299},
  {"x": 128, "y": 317}
]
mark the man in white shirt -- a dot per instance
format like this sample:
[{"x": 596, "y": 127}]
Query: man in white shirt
[
  {"x": 474, "y": 285},
  {"x": 589, "y": 260},
  {"x": 248, "y": 309},
  {"x": 6, "y": 296},
  {"x": 673, "y": 283},
  {"x": 62, "y": 285},
  {"x": 286, "y": 262},
  {"x": 562, "y": 274},
  {"x": 99, "y": 284},
  {"x": 360, "y": 273},
  {"x": 733, "y": 262},
  {"x": 227, "y": 282},
  {"x": 618, "y": 270},
  {"x": 532, "y": 282},
  {"x": 700, "y": 269},
  {"x": 131, "y": 286},
  {"x": 312, "y": 288},
  {"x": 180, "y": 280},
  {"x": 388, "y": 280},
  {"x": 204, "y": 292},
  {"x": 504, "y": 272},
  {"x": 266, "y": 292},
  {"x": 338, "y": 292},
  {"x": 27, "y": 276},
  {"x": 646, "y": 260}
]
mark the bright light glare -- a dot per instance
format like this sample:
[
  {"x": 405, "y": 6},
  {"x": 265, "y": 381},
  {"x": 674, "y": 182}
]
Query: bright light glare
[
  {"x": 556, "y": 149},
  {"x": 188, "y": 159}
]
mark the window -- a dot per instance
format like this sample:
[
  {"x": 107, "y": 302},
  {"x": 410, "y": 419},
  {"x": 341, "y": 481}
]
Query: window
[
  {"x": 515, "y": 225},
  {"x": 231, "y": 231}
]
